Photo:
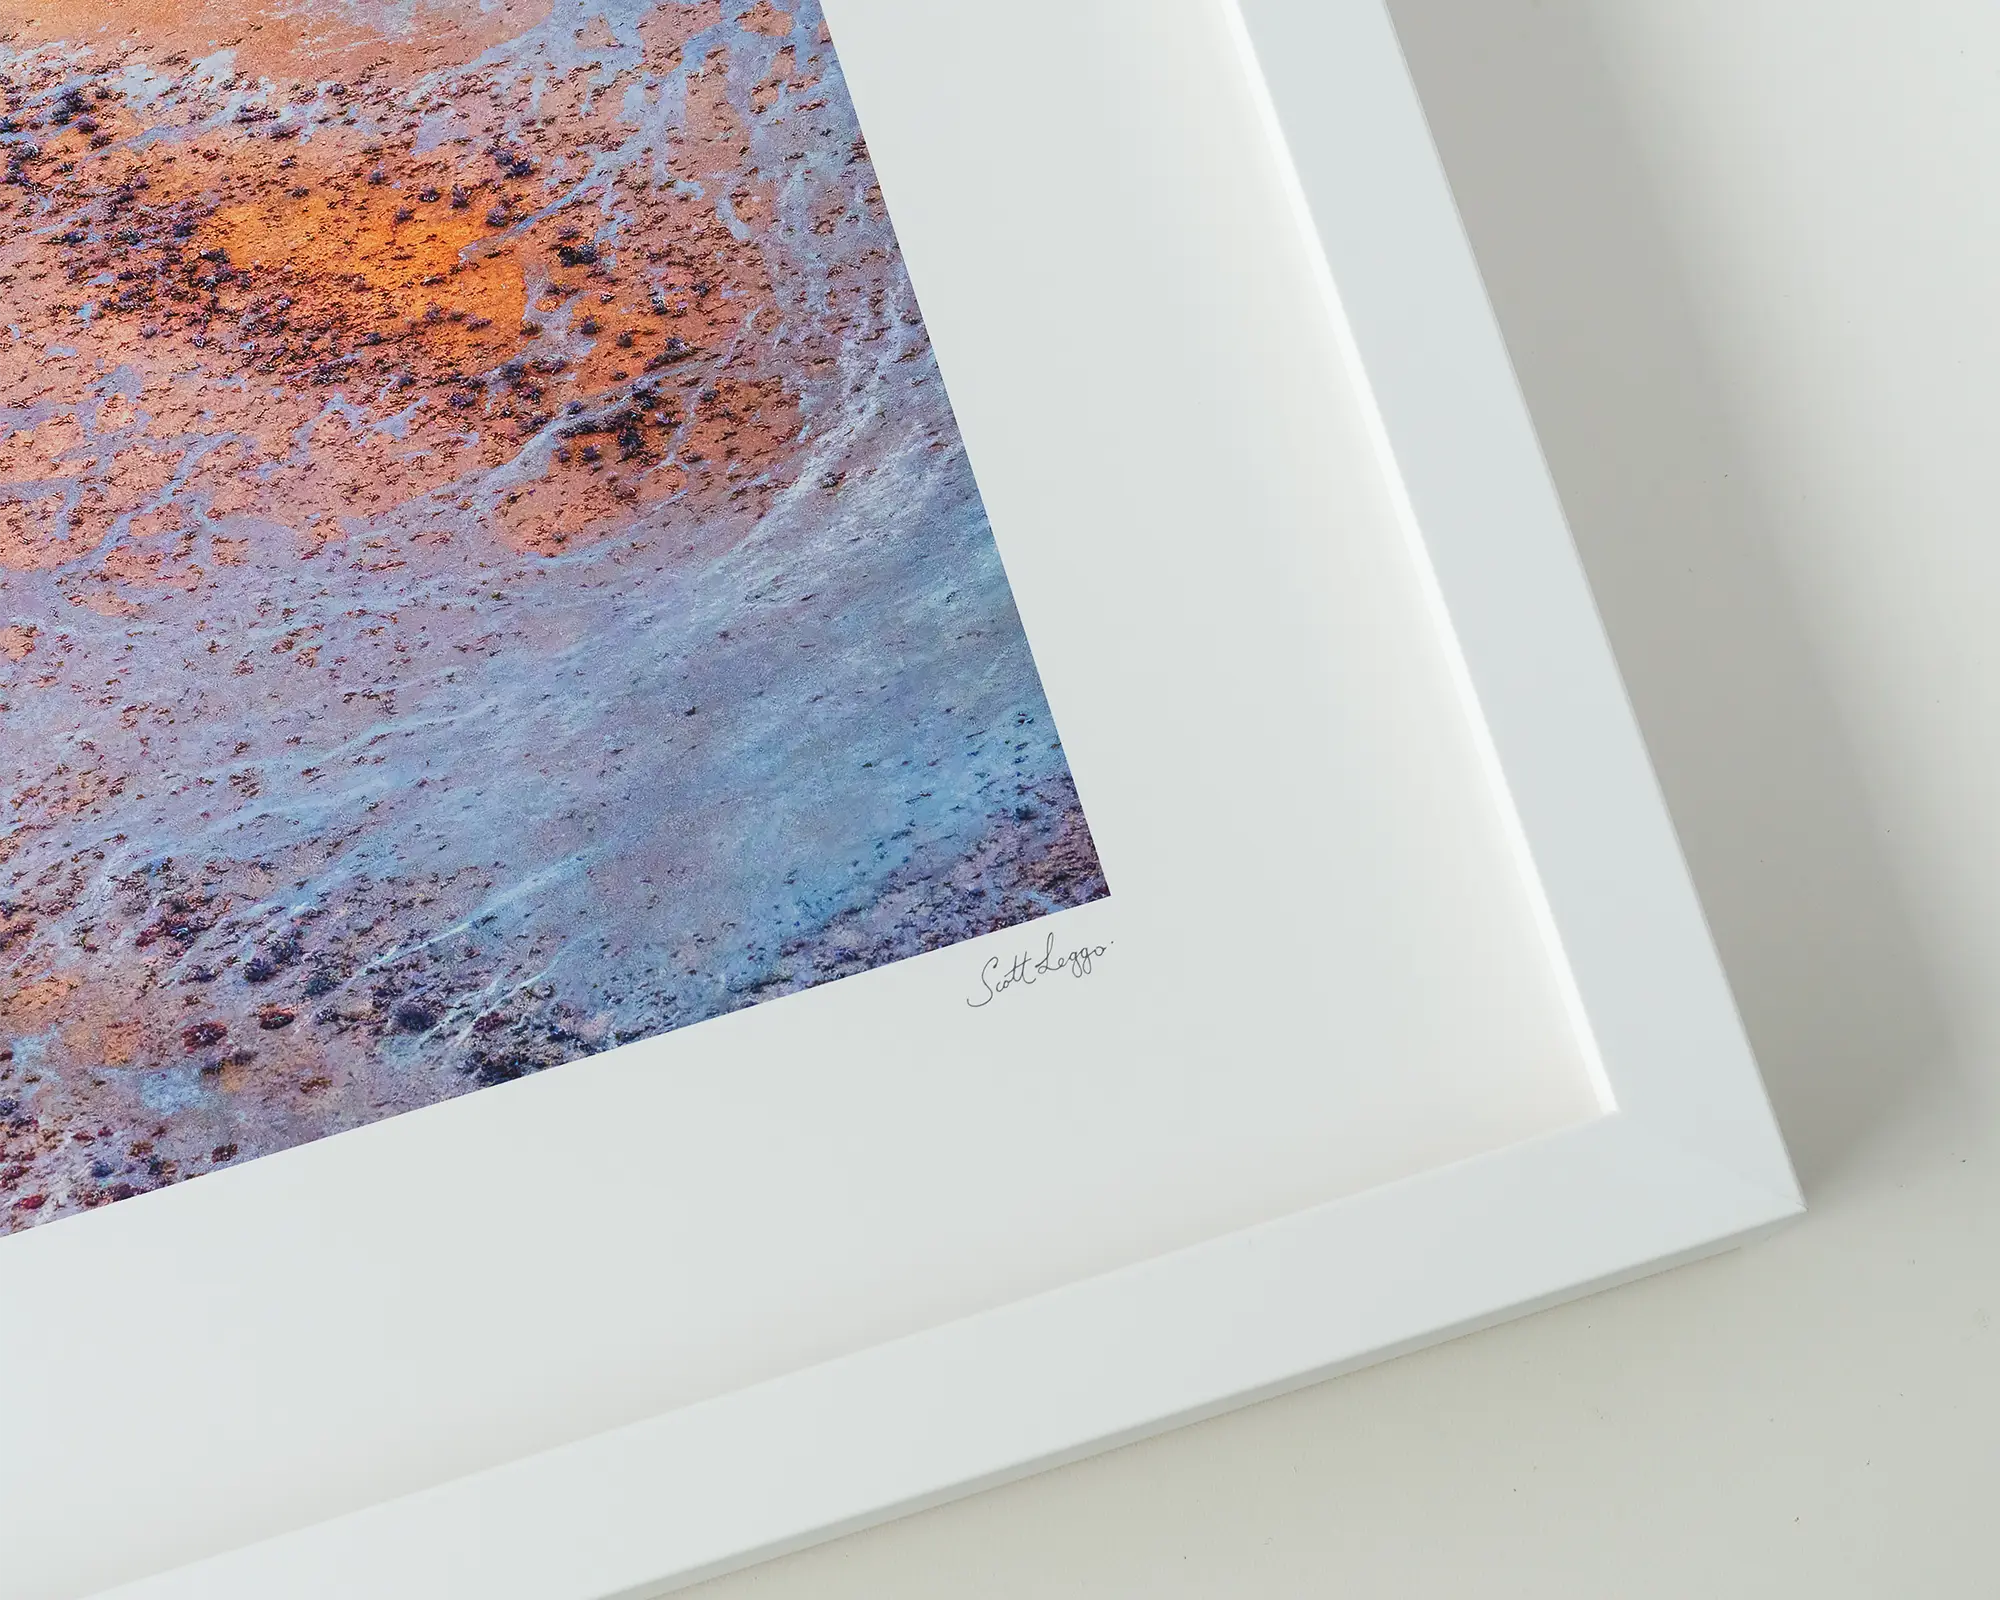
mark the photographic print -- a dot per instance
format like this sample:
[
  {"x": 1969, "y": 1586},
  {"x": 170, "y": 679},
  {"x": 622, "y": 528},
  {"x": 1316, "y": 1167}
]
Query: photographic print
[{"x": 488, "y": 570}]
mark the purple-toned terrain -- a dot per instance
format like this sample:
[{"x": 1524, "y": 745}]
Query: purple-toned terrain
[{"x": 487, "y": 567}]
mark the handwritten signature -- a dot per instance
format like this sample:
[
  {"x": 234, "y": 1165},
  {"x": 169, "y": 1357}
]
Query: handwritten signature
[{"x": 999, "y": 975}]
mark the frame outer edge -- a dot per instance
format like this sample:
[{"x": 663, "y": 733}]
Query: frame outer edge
[
  {"x": 1621, "y": 919},
  {"x": 724, "y": 1483}
]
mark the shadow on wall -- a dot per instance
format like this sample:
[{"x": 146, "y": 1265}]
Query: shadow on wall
[{"x": 1766, "y": 793}]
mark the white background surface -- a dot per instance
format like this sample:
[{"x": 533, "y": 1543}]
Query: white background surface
[{"x": 1746, "y": 257}]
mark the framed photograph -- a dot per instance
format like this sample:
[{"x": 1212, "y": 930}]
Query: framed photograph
[{"x": 767, "y": 758}]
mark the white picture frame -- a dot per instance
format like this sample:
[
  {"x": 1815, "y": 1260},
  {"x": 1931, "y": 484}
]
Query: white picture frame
[{"x": 1678, "y": 1157}]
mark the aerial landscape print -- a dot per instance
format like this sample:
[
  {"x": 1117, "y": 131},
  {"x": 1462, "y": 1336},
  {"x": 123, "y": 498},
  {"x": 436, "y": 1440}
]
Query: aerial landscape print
[{"x": 488, "y": 569}]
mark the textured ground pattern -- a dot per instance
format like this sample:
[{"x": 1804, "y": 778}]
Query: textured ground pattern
[{"x": 487, "y": 568}]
